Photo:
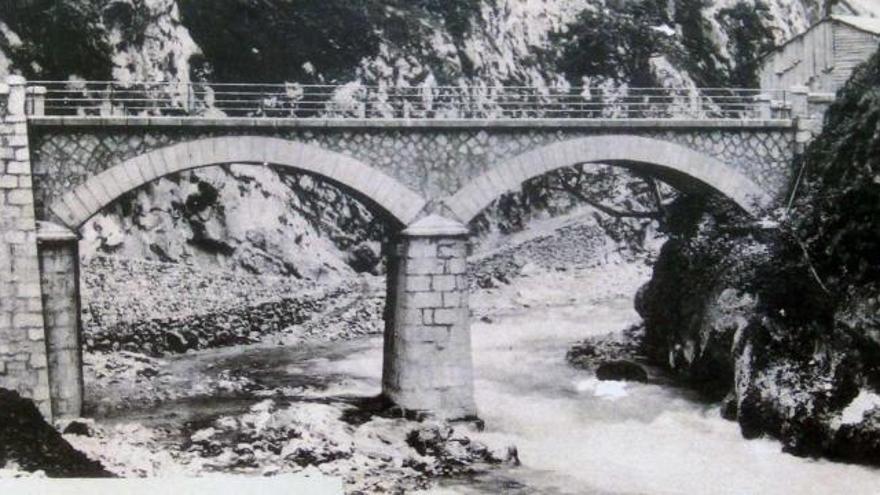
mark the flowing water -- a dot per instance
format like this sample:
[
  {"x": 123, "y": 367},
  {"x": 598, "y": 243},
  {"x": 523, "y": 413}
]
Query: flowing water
[
  {"x": 578, "y": 435},
  {"x": 574, "y": 434}
]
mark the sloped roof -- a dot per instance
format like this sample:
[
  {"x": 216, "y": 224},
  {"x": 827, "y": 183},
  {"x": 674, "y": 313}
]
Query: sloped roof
[
  {"x": 867, "y": 24},
  {"x": 862, "y": 23},
  {"x": 867, "y": 8}
]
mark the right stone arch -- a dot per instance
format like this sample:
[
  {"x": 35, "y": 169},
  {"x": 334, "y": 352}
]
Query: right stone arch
[{"x": 666, "y": 157}]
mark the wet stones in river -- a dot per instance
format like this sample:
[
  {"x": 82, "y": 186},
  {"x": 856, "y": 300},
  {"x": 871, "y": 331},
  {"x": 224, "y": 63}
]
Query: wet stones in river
[
  {"x": 445, "y": 450},
  {"x": 81, "y": 427},
  {"x": 621, "y": 370}
]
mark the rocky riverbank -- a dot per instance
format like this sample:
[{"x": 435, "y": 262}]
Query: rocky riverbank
[
  {"x": 733, "y": 317},
  {"x": 159, "y": 308},
  {"x": 777, "y": 318},
  {"x": 372, "y": 452}
]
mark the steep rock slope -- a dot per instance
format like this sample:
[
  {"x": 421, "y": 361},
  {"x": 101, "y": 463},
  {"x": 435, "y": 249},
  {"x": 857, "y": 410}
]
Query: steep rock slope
[{"x": 256, "y": 219}]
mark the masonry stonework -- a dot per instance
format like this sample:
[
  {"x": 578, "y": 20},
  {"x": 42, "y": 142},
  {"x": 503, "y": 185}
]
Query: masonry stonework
[
  {"x": 431, "y": 177},
  {"x": 59, "y": 278},
  {"x": 427, "y": 361},
  {"x": 23, "y": 364},
  {"x": 435, "y": 162}
]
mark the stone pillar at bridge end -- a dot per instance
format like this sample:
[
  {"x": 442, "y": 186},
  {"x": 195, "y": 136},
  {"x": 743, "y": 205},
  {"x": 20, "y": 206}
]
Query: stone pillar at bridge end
[
  {"x": 428, "y": 365},
  {"x": 23, "y": 364}
]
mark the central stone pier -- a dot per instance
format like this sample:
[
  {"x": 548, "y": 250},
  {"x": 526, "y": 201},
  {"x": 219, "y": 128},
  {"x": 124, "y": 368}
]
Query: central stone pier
[{"x": 428, "y": 365}]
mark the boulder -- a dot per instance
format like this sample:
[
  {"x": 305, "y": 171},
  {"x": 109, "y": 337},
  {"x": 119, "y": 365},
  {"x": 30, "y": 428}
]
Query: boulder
[
  {"x": 81, "y": 427},
  {"x": 364, "y": 258},
  {"x": 621, "y": 370}
]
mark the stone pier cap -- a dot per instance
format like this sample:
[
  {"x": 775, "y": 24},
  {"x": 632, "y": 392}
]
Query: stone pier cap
[
  {"x": 52, "y": 232},
  {"x": 435, "y": 226}
]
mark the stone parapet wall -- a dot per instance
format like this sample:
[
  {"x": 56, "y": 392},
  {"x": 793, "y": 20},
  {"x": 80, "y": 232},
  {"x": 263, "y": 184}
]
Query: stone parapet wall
[{"x": 23, "y": 363}]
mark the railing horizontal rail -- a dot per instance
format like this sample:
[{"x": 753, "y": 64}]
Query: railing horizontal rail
[{"x": 279, "y": 100}]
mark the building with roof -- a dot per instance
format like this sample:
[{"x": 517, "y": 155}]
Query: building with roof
[
  {"x": 824, "y": 56},
  {"x": 868, "y": 8}
]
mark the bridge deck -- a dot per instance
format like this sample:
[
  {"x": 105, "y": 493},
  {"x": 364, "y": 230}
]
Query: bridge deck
[{"x": 267, "y": 122}]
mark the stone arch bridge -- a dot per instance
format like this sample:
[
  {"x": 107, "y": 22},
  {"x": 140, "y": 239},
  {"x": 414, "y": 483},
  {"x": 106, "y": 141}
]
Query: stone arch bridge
[{"x": 430, "y": 175}]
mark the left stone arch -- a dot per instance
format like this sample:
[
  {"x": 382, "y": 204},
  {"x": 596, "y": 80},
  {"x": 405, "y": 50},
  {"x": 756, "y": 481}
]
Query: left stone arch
[{"x": 77, "y": 206}]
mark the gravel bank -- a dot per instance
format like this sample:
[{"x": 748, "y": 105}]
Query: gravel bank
[{"x": 158, "y": 308}]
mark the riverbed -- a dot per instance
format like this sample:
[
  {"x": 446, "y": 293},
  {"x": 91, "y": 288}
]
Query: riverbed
[{"x": 574, "y": 434}]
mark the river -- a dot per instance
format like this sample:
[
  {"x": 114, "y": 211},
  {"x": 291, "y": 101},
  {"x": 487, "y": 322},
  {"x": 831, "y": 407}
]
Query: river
[
  {"x": 574, "y": 434},
  {"x": 577, "y": 435}
]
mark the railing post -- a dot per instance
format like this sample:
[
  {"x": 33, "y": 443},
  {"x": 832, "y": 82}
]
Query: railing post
[
  {"x": 800, "y": 101},
  {"x": 765, "y": 106},
  {"x": 107, "y": 103},
  {"x": 818, "y": 103},
  {"x": 366, "y": 107},
  {"x": 190, "y": 98},
  {"x": 36, "y": 101},
  {"x": 698, "y": 107}
]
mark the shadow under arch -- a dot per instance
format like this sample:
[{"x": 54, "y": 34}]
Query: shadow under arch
[
  {"x": 669, "y": 159},
  {"x": 76, "y": 207}
]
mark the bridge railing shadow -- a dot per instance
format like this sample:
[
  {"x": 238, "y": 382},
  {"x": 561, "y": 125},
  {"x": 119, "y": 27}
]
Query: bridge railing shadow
[{"x": 357, "y": 101}]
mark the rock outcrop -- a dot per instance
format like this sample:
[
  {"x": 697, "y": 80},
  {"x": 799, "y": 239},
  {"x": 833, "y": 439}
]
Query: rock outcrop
[
  {"x": 735, "y": 311},
  {"x": 30, "y": 444}
]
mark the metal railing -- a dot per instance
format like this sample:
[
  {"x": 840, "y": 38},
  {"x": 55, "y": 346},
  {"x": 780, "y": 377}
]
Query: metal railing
[{"x": 354, "y": 101}]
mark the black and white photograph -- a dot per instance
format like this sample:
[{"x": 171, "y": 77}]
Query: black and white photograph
[{"x": 440, "y": 247}]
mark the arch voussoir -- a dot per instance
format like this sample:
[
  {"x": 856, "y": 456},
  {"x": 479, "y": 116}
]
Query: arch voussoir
[
  {"x": 666, "y": 156},
  {"x": 75, "y": 207}
]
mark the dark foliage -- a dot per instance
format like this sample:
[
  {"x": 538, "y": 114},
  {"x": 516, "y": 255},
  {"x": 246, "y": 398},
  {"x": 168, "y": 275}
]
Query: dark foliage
[
  {"x": 702, "y": 61},
  {"x": 617, "y": 47},
  {"x": 291, "y": 40},
  {"x": 59, "y": 38},
  {"x": 458, "y": 18},
  {"x": 269, "y": 41},
  {"x": 837, "y": 212},
  {"x": 749, "y": 39}
]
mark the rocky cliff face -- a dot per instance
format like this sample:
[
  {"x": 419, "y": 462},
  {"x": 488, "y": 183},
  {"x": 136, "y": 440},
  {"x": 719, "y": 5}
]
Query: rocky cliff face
[
  {"x": 204, "y": 216},
  {"x": 255, "y": 219},
  {"x": 736, "y": 312},
  {"x": 785, "y": 319}
]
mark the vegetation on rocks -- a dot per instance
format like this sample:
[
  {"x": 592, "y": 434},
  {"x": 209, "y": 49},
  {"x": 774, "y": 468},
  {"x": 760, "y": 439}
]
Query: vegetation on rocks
[{"x": 781, "y": 317}]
